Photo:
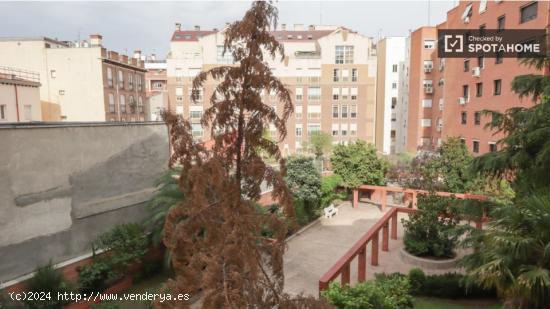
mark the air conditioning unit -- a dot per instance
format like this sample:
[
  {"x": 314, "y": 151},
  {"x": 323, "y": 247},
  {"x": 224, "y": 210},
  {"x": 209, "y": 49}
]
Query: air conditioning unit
[
  {"x": 427, "y": 69},
  {"x": 462, "y": 100},
  {"x": 428, "y": 89},
  {"x": 476, "y": 71}
]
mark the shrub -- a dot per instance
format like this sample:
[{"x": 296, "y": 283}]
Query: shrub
[
  {"x": 49, "y": 281},
  {"x": 449, "y": 285},
  {"x": 434, "y": 229},
  {"x": 386, "y": 292},
  {"x": 329, "y": 185},
  {"x": 125, "y": 243},
  {"x": 96, "y": 276}
]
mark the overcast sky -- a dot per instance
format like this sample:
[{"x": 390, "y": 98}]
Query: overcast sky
[{"x": 148, "y": 26}]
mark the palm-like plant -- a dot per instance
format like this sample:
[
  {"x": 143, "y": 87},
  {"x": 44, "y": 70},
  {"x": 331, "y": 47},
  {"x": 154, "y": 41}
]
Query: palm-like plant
[{"x": 514, "y": 253}]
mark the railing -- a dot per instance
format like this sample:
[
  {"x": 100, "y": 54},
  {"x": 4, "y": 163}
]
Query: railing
[
  {"x": 14, "y": 73},
  {"x": 387, "y": 226}
]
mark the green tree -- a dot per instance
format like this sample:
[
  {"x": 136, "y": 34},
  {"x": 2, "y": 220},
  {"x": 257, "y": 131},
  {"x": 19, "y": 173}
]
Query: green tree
[
  {"x": 304, "y": 180},
  {"x": 329, "y": 185},
  {"x": 320, "y": 143},
  {"x": 357, "y": 163}
]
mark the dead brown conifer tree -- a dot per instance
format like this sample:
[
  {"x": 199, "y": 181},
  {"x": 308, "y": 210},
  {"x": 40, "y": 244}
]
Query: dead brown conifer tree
[{"x": 214, "y": 235}]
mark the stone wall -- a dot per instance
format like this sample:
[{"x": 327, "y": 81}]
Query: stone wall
[{"x": 62, "y": 185}]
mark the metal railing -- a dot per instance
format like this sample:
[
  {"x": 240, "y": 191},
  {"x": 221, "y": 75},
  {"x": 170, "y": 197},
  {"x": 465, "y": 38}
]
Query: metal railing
[{"x": 15, "y": 73}]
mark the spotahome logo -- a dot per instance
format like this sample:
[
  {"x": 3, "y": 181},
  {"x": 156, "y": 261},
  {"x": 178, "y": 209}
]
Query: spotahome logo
[{"x": 509, "y": 43}]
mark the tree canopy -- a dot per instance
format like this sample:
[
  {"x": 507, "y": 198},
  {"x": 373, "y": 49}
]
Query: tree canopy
[{"x": 303, "y": 179}]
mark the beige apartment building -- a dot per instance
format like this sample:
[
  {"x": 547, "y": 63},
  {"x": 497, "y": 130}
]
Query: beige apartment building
[
  {"x": 82, "y": 79},
  {"x": 19, "y": 96},
  {"x": 156, "y": 87},
  {"x": 331, "y": 72}
]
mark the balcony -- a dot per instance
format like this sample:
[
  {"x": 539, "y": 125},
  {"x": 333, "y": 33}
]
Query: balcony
[
  {"x": 429, "y": 89},
  {"x": 428, "y": 69},
  {"x": 463, "y": 100}
]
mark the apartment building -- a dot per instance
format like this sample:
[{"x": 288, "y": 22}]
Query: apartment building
[
  {"x": 448, "y": 99},
  {"x": 156, "y": 87},
  {"x": 331, "y": 72},
  {"x": 390, "y": 55},
  {"x": 403, "y": 101},
  {"x": 84, "y": 80},
  {"x": 19, "y": 95}
]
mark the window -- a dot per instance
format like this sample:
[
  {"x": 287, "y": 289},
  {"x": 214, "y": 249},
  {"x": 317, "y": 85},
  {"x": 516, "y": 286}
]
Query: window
[
  {"x": 345, "y": 75},
  {"x": 475, "y": 146},
  {"x": 344, "y": 129},
  {"x": 122, "y": 102},
  {"x": 299, "y": 129},
  {"x": 429, "y": 44},
  {"x": 394, "y": 85},
  {"x": 53, "y": 74},
  {"x": 140, "y": 105},
  {"x": 465, "y": 92},
  {"x": 179, "y": 93},
  {"x": 353, "y": 111},
  {"x": 480, "y": 62},
  {"x": 335, "y": 129},
  {"x": 492, "y": 147},
  {"x": 298, "y": 111},
  {"x": 479, "y": 89},
  {"x": 354, "y": 93},
  {"x": 343, "y": 54},
  {"x": 529, "y": 12},
  {"x": 336, "y": 75},
  {"x": 195, "y": 112},
  {"x": 335, "y": 94},
  {"x": 467, "y": 13},
  {"x": 111, "y": 103},
  {"x": 426, "y": 123},
  {"x": 120, "y": 80},
  {"x": 3, "y": 112},
  {"x": 463, "y": 141},
  {"x": 27, "y": 111},
  {"x": 466, "y": 65},
  {"x": 426, "y": 103},
  {"x": 498, "y": 86},
  {"x": 314, "y": 112},
  {"x": 501, "y": 21},
  {"x": 314, "y": 93},
  {"x": 394, "y": 102},
  {"x": 299, "y": 94},
  {"x": 345, "y": 93},
  {"x": 139, "y": 82},
  {"x": 463, "y": 118},
  {"x": 394, "y": 68},
  {"x": 334, "y": 111},
  {"x": 477, "y": 118},
  {"x": 223, "y": 58},
  {"x": 428, "y": 66},
  {"x": 344, "y": 111},
  {"x": 499, "y": 57},
  {"x": 353, "y": 75},
  {"x": 352, "y": 129},
  {"x": 312, "y": 128},
  {"x": 130, "y": 81},
  {"x": 482, "y": 6},
  {"x": 196, "y": 130},
  {"x": 196, "y": 93},
  {"x": 110, "y": 77}
]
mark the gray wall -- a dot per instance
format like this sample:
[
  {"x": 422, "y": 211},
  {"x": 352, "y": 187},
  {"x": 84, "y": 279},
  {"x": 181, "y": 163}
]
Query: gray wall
[{"x": 62, "y": 185}]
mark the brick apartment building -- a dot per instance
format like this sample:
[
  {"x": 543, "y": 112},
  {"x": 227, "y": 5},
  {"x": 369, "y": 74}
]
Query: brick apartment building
[
  {"x": 446, "y": 96},
  {"x": 19, "y": 95},
  {"x": 331, "y": 72},
  {"x": 84, "y": 80}
]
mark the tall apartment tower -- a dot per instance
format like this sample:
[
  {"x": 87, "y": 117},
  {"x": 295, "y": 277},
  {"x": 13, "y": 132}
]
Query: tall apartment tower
[
  {"x": 391, "y": 54},
  {"x": 403, "y": 101},
  {"x": 331, "y": 72},
  {"x": 84, "y": 80},
  {"x": 447, "y": 95}
]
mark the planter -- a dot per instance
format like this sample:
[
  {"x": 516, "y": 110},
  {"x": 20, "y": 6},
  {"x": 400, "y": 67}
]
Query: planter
[
  {"x": 120, "y": 286},
  {"x": 427, "y": 263}
]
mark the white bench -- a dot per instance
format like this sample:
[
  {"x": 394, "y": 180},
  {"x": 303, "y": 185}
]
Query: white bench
[{"x": 330, "y": 211}]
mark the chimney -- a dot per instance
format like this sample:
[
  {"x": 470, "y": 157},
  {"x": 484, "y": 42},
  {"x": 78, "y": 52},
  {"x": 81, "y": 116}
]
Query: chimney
[
  {"x": 95, "y": 40},
  {"x": 283, "y": 27},
  {"x": 311, "y": 28},
  {"x": 137, "y": 54},
  {"x": 298, "y": 27},
  {"x": 178, "y": 27},
  {"x": 197, "y": 28}
]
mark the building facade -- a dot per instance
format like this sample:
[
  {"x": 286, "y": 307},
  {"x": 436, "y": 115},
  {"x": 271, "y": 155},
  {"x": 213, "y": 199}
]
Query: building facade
[
  {"x": 390, "y": 55},
  {"x": 19, "y": 96},
  {"x": 156, "y": 87},
  {"x": 447, "y": 95},
  {"x": 331, "y": 72},
  {"x": 85, "y": 81}
]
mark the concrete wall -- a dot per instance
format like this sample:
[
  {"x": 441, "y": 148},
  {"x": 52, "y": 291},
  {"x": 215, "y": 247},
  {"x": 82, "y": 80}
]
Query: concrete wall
[{"x": 61, "y": 186}]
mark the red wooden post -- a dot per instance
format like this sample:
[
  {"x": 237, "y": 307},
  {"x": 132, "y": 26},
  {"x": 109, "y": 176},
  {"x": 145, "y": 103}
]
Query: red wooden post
[
  {"x": 415, "y": 201},
  {"x": 374, "y": 252},
  {"x": 322, "y": 286},
  {"x": 362, "y": 265},
  {"x": 394, "y": 226},
  {"x": 384, "y": 199},
  {"x": 479, "y": 224},
  {"x": 355, "y": 202},
  {"x": 385, "y": 240},
  {"x": 345, "y": 275}
]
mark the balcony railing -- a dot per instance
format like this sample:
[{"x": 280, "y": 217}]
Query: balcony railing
[{"x": 15, "y": 73}]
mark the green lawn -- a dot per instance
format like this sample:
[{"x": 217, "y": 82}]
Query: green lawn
[{"x": 436, "y": 303}]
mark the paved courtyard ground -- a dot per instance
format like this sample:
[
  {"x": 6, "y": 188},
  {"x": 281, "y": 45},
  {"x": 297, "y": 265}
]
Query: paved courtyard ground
[{"x": 311, "y": 253}]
